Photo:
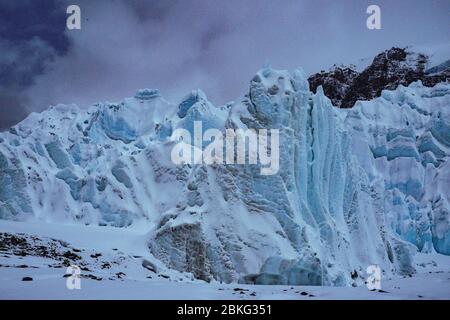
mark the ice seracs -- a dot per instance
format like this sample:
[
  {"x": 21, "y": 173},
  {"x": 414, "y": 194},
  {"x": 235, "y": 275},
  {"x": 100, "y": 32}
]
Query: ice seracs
[
  {"x": 214, "y": 147},
  {"x": 355, "y": 187}
]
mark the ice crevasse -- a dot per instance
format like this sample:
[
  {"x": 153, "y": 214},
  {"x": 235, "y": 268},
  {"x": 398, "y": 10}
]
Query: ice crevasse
[{"x": 356, "y": 187}]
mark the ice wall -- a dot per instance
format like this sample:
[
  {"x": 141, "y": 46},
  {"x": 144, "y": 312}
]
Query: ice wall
[{"x": 356, "y": 187}]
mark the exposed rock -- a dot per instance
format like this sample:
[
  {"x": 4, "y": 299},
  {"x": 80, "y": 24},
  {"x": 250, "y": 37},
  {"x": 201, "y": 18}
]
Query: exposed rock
[{"x": 389, "y": 69}]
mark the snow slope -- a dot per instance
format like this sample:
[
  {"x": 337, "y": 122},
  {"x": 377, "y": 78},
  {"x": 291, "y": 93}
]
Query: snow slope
[
  {"x": 127, "y": 279},
  {"x": 356, "y": 187}
]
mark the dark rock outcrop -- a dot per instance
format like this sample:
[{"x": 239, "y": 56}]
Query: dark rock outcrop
[{"x": 389, "y": 69}]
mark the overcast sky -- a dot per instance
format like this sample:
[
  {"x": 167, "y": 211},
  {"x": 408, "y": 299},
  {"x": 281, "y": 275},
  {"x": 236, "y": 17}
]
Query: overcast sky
[{"x": 177, "y": 46}]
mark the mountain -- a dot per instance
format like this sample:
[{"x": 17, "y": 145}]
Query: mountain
[
  {"x": 356, "y": 187},
  {"x": 389, "y": 69},
  {"x": 335, "y": 83}
]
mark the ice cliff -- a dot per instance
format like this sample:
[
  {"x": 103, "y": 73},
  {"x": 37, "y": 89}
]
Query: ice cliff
[{"x": 356, "y": 187}]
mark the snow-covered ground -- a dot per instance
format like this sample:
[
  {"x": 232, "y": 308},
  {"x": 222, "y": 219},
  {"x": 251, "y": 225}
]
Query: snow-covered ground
[{"x": 112, "y": 262}]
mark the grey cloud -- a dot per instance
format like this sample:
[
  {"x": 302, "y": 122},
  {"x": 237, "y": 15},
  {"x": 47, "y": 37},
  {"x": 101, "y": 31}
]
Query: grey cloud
[
  {"x": 177, "y": 46},
  {"x": 12, "y": 108},
  {"x": 29, "y": 42},
  {"x": 20, "y": 63}
]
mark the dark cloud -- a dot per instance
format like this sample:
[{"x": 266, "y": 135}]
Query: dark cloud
[
  {"x": 216, "y": 45},
  {"x": 12, "y": 108},
  {"x": 31, "y": 37},
  {"x": 26, "y": 19},
  {"x": 21, "y": 61}
]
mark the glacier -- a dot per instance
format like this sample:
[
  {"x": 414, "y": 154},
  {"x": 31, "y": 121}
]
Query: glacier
[{"x": 356, "y": 187}]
